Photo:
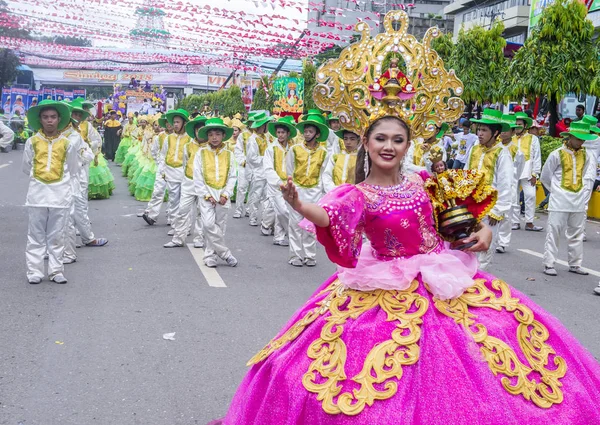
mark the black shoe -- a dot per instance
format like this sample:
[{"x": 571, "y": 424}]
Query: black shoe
[
  {"x": 148, "y": 220},
  {"x": 4, "y": 150}
]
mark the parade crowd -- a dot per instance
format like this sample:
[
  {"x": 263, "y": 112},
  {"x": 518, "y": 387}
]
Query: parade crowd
[{"x": 198, "y": 164}]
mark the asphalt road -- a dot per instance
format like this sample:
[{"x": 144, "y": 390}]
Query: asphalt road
[{"x": 93, "y": 352}]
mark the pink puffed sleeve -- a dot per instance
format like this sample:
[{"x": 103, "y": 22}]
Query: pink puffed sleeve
[{"x": 342, "y": 240}]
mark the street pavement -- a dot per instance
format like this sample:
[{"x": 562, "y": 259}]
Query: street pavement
[{"x": 93, "y": 352}]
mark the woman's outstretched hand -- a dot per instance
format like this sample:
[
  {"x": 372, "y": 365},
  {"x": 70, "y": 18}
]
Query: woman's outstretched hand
[
  {"x": 482, "y": 239},
  {"x": 290, "y": 194}
]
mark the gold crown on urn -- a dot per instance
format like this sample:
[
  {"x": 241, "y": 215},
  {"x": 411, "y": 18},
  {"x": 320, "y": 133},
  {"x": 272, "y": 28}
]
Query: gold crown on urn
[
  {"x": 357, "y": 87},
  {"x": 436, "y": 154}
]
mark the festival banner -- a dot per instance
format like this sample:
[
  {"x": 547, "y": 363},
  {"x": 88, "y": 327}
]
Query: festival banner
[
  {"x": 19, "y": 97},
  {"x": 48, "y": 94},
  {"x": 289, "y": 96},
  {"x": 33, "y": 97},
  {"x": 68, "y": 95},
  {"x": 59, "y": 94},
  {"x": 79, "y": 93},
  {"x": 245, "y": 84},
  {"x": 6, "y": 100}
]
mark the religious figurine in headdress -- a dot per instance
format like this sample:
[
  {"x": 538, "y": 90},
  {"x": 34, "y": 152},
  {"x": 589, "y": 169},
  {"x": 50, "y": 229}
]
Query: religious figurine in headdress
[{"x": 392, "y": 85}]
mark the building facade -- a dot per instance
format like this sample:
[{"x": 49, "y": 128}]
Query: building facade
[{"x": 513, "y": 13}]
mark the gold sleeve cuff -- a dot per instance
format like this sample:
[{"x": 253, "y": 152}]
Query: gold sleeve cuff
[{"x": 495, "y": 217}]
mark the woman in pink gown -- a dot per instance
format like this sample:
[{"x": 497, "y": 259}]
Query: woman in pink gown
[{"x": 408, "y": 331}]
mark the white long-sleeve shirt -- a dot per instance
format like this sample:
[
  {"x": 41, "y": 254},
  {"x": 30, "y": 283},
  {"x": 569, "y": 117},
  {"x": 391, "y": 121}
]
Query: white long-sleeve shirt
[
  {"x": 255, "y": 152},
  {"x": 50, "y": 167},
  {"x": 214, "y": 173},
  {"x": 80, "y": 181},
  {"x": 334, "y": 144},
  {"x": 172, "y": 152},
  {"x": 340, "y": 169},
  {"x": 6, "y": 135},
  {"x": 564, "y": 173},
  {"x": 275, "y": 167},
  {"x": 241, "y": 147},
  {"x": 306, "y": 166},
  {"x": 497, "y": 165},
  {"x": 530, "y": 146}
]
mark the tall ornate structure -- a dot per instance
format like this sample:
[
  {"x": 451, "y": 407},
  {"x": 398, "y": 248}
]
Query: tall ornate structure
[{"x": 149, "y": 29}]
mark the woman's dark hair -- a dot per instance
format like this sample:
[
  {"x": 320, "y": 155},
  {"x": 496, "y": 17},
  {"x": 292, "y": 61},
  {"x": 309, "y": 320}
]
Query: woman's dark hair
[{"x": 359, "y": 173}]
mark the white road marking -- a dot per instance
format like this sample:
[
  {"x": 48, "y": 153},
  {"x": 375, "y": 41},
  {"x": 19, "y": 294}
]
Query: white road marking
[
  {"x": 4, "y": 165},
  {"x": 211, "y": 275},
  {"x": 561, "y": 262}
]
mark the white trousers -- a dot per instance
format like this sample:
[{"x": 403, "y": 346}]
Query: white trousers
[
  {"x": 529, "y": 196},
  {"x": 485, "y": 258},
  {"x": 303, "y": 244},
  {"x": 268, "y": 213},
  {"x": 243, "y": 182},
  {"x": 81, "y": 218},
  {"x": 574, "y": 224},
  {"x": 46, "y": 232},
  {"x": 214, "y": 223},
  {"x": 158, "y": 196},
  {"x": 70, "y": 236},
  {"x": 257, "y": 195},
  {"x": 282, "y": 217},
  {"x": 182, "y": 221},
  {"x": 504, "y": 232}
]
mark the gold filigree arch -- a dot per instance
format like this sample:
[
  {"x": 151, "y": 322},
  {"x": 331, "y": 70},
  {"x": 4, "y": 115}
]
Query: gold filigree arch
[{"x": 343, "y": 84}]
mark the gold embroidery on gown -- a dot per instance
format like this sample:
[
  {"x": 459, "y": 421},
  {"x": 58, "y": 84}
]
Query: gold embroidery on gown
[{"x": 382, "y": 367}]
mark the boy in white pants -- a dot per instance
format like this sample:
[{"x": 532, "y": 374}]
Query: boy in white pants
[
  {"x": 214, "y": 179},
  {"x": 50, "y": 160},
  {"x": 257, "y": 146},
  {"x": 283, "y": 130},
  {"x": 189, "y": 197},
  {"x": 565, "y": 174},
  {"x": 341, "y": 166},
  {"x": 305, "y": 163},
  {"x": 244, "y": 171}
]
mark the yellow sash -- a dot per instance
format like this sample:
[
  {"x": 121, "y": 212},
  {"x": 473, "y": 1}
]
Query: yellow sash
[
  {"x": 215, "y": 167},
  {"x": 192, "y": 148},
  {"x": 279, "y": 153},
  {"x": 524, "y": 145},
  {"x": 44, "y": 170},
  {"x": 175, "y": 144},
  {"x": 490, "y": 157},
  {"x": 572, "y": 169},
  {"x": 261, "y": 140},
  {"x": 84, "y": 131},
  {"x": 307, "y": 165},
  {"x": 338, "y": 168}
]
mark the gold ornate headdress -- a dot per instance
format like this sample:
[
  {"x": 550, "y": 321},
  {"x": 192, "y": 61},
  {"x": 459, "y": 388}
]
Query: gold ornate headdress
[
  {"x": 436, "y": 154},
  {"x": 351, "y": 85}
]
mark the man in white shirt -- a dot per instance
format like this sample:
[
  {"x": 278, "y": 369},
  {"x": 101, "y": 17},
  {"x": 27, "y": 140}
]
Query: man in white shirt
[
  {"x": 465, "y": 141},
  {"x": 565, "y": 173}
]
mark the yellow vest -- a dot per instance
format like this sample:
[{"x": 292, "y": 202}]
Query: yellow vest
[
  {"x": 192, "y": 147},
  {"x": 307, "y": 166},
  {"x": 215, "y": 166},
  {"x": 175, "y": 145},
  {"x": 490, "y": 157},
  {"x": 49, "y": 171},
  {"x": 568, "y": 162},
  {"x": 338, "y": 168},
  {"x": 279, "y": 153}
]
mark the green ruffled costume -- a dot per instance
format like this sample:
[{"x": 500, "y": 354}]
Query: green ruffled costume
[
  {"x": 122, "y": 150},
  {"x": 102, "y": 182},
  {"x": 144, "y": 185}
]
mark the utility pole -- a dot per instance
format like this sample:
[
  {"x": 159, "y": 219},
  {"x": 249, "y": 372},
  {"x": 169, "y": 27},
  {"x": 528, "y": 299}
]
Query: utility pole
[{"x": 286, "y": 58}]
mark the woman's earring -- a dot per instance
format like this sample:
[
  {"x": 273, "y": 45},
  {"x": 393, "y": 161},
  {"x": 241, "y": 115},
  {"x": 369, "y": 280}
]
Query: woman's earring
[{"x": 366, "y": 164}]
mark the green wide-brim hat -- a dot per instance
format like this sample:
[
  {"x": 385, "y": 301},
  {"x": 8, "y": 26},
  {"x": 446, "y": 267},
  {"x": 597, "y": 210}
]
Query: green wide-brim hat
[
  {"x": 215, "y": 124},
  {"x": 177, "y": 113},
  {"x": 580, "y": 130},
  {"x": 523, "y": 116},
  {"x": 250, "y": 119},
  {"x": 287, "y": 122},
  {"x": 259, "y": 120},
  {"x": 340, "y": 133},
  {"x": 511, "y": 121},
  {"x": 190, "y": 126},
  {"x": 332, "y": 117},
  {"x": 77, "y": 106},
  {"x": 162, "y": 122},
  {"x": 33, "y": 114},
  {"x": 491, "y": 117},
  {"x": 592, "y": 122},
  {"x": 311, "y": 112},
  {"x": 316, "y": 121}
]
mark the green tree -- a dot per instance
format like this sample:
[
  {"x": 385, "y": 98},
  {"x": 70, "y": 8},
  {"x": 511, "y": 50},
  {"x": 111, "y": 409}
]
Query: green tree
[
  {"x": 263, "y": 99},
  {"x": 444, "y": 46},
  {"x": 9, "y": 62},
  {"x": 559, "y": 57},
  {"x": 309, "y": 73},
  {"x": 67, "y": 40},
  {"x": 478, "y": 60},
  {"x": 227, "y": 102}
]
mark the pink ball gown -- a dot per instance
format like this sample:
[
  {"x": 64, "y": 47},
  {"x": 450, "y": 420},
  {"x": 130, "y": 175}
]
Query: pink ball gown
[{"x": 408, "y": 332}]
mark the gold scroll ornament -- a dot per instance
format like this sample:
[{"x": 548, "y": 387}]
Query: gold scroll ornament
[{"x": 343, "y": 84}]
